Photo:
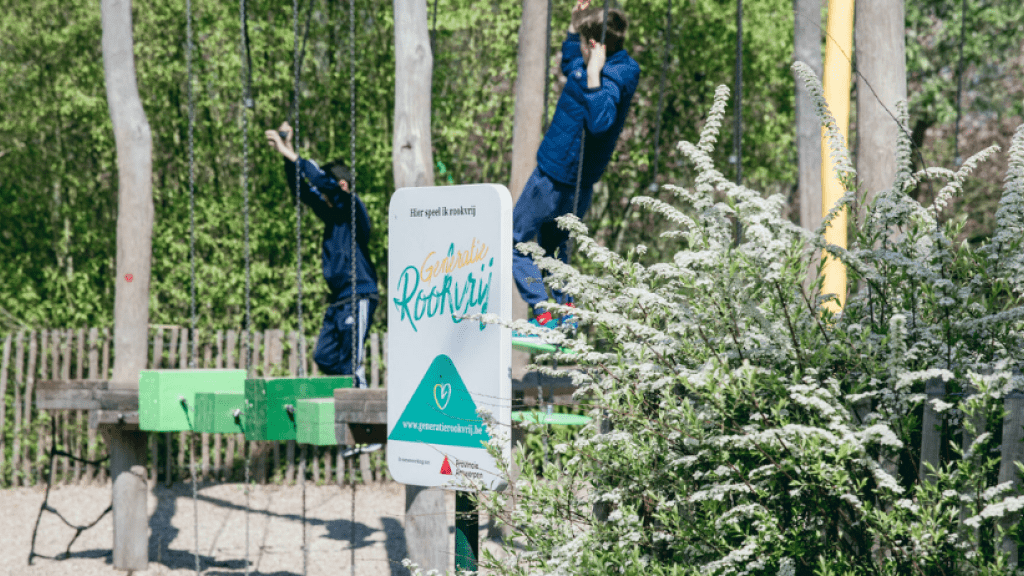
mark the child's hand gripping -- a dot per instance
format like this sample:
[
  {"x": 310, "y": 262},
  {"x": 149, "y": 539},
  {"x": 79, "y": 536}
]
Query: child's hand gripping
[{"x": 281, "y": 141}]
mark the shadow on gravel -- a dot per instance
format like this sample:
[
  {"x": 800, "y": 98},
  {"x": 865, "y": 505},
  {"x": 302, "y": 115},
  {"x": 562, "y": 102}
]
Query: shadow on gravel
[{"x": 163, "y": 532}]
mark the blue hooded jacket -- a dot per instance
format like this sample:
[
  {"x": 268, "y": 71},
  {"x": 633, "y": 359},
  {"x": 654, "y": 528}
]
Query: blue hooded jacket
[
  {"x": 602, "y": 110},
  {"x": 316, "y": 188}
]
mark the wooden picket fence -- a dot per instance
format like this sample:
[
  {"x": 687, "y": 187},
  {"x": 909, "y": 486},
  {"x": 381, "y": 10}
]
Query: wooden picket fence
[{"x": 66, "y": 354}]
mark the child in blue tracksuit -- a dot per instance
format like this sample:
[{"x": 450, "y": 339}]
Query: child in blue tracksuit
[
  {"x": 601, "y": 82},
  {"x": 353, "y": 300}
]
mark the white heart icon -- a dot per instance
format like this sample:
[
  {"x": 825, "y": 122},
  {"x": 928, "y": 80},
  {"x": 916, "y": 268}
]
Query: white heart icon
[{"x": 446, "y": 395}]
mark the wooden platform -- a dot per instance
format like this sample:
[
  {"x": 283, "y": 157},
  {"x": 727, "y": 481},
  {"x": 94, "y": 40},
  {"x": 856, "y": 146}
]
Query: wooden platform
[
  {"x": 360, "y": 416},
  {"x": 105, "y": 406}
]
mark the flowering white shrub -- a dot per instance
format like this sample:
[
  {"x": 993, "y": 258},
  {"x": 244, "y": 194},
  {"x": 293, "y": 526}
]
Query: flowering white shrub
[{"x": 754, "y": 432}]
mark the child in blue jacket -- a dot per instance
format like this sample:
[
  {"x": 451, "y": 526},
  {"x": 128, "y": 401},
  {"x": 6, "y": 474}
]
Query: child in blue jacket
[
  {"x": 352, "y": 300},
  {"x": 601, "y": 82}
]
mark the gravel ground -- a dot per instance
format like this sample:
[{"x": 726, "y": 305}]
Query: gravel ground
[{"x": 275, "y": 530}]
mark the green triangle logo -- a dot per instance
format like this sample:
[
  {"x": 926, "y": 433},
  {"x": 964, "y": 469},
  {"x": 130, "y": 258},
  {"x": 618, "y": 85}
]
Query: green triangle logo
[{"x": 441, "y": 410}]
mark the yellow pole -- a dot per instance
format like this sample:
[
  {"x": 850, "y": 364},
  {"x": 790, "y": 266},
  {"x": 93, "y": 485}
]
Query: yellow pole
[{"x": 838, "y": 51}]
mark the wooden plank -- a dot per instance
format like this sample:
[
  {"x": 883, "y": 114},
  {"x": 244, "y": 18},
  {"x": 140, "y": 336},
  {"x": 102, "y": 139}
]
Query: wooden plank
[
  {"x": 374, "y": 360},
  {"x": 94, "y": 354},
  {"x": 168, "y": 450},
  {"x": 4, "y": 366},
  {"x": 172, "y": 348},
  {"x": 80, "y": 355},
  {"x": 76, "y": 442},
  {"x": 93, "y": 374},
  {"x": 19, "y": 383},
  {"x": 365, "y": 470},
  {"x": 232, "y": 343},
  {"x": 158, "y": 349},
  {"x": 384, "y": 359},
  {"x": 327, "y": 464},
  {"x": 218, "y": 339},
  {"x": 216, "y": 453},
  {"x": 303, "y": 462},
  {"x": 204, "y": 459},
  {"x": 105, "y": 368},
  {"x": 289, "y": 463},
  {"x": 107, "y": 338},
  {"x": 339, "y": 465},
  {"x": 26, "y": 418},
  {"x": 65, "y": 445},
  {"x": 154, "y": 461},
  {"x": 293, "y": 353},
  {"x": 229, "y": 459},
  {"x": 207, "y": 355},
  {"x": 314, "y": 369},
  {"x": 65, "y": 353}
]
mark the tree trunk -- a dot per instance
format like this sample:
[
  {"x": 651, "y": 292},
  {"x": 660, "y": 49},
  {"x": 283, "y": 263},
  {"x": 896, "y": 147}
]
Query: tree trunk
[
  {"x": 526, "y": 126},
  {"x": 807, "y": 49},
  {"x": 881, "y": 82},
  {"x": 426, "y": 518},
  {"x": 411, "y": 154},
  {"x": 135, "y": 195},
  {"x": 131, "y": 298}
]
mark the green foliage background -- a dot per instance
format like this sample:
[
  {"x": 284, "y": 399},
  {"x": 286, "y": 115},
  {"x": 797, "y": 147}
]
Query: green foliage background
[{"x": 58, "y": 177}]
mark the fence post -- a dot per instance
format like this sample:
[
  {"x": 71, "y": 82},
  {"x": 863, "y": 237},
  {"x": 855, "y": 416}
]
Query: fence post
[
  {"x": 19, "y": 381},
  {"x": 3, "y": 405}
]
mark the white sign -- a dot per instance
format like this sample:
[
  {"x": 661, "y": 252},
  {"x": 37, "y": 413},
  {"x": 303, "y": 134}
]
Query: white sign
[{"x": 449, "y": 256}]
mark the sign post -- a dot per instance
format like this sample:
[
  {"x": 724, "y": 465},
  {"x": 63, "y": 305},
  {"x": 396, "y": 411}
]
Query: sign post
[{"x": 449, "y": 257}]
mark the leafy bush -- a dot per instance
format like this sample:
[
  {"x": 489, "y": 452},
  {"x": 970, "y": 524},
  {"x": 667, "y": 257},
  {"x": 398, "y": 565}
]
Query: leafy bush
[{"x": 753, "y": 431}]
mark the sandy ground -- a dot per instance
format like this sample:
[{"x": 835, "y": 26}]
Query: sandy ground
[{"x": 275, "y": 531}]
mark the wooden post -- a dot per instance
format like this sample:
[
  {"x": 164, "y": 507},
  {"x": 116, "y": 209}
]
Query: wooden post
[
  {"x": 426, "y": 522},
  {"x": 131, "y": 299},
  {"x": 94, "y": 356},
  {"x": 882, "y": 63},
  {"x": 30, "y": 379},
  {"x": 19, "y": 381},
  {"x": 131, "y": 522},
  {"x": 1012, "y": 454},
  {"x": 374, "y": 360},
  {"x": 527, "y": 123},
  {"x": 3, "y": 407}
]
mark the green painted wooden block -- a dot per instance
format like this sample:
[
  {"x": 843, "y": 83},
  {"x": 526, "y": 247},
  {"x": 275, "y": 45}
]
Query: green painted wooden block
[
  {"x": 215, "y": 412},
  {"x": 167, "y": 398},
  {"x": 314, "y": 419},
  {"x": 267, "y": 401}
]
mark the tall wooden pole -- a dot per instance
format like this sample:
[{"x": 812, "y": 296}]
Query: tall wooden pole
[
  {"x": 807, "y": 49},
  {"x": 526, "y": 125},
  {"x": 131, "y": 296},
  {"x": 838, "y": 67},
  {"x": 426, "y": 518},
  {"x": 882, "y": 63}
]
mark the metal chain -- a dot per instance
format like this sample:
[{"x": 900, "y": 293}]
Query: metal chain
[
  {"x": 195, "y": 506},
  {"x": 191, "y": 181},
  {"x": 246, "y": 105},
  {"x": 583, "y": 138},
  {"x": 302, "y": 481},
  {"x": 248, "y": 455},
  {"x": 192, "y": 252},
  {"x": 298, "y": 202},
  {"x": 352, "y": 193}
]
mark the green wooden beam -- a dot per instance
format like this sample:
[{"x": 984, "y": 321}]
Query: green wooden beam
[
  {"x": 270, "y": 403},
  {"x": 167, "y": 398},
  {"x": 314, "y": 419},
  {"x": 215, "y": 412}
]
